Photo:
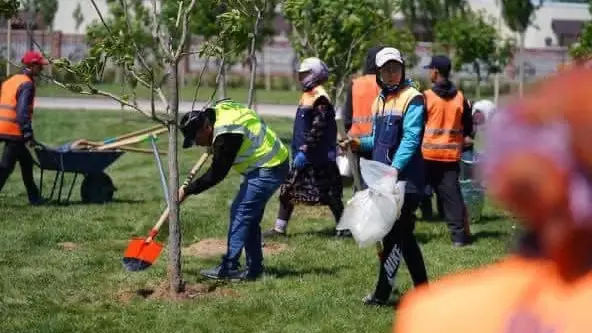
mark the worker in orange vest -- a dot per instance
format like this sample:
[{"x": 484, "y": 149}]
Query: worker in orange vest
[
  {"x": 538, "y": 166},
  {"x": 16, "y": 112},
  {"x": 449, "y": 128},
  {"x": 357, "y": 112}
]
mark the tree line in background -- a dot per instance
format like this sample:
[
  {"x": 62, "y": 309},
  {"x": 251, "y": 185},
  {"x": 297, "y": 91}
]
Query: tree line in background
[
  {"x": 338, "y": 31},
  {"x": 148, "y": 42}
]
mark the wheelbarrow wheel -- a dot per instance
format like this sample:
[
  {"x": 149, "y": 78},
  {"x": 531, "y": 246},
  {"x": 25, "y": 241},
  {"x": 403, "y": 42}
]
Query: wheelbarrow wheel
[{"x": 97, "y": 188}]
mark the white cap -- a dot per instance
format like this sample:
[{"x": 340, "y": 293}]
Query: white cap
[
  {"x": 309, "y": 63},
  {"x": 387, "y": 54},
  {"x": 485, "y": 106}
]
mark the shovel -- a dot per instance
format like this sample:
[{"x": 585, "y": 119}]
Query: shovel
[{"x": 141, "y": 253}]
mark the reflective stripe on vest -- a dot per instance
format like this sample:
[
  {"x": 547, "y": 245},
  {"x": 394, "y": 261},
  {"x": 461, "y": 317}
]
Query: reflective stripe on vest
[
  {"x": 261, "y": 147},
  {"x": 309, "y": 97},
  {"x": 364, "y": 92},
  {"x": 443, "y": 135},
  {"x": 9, "y": 126}
]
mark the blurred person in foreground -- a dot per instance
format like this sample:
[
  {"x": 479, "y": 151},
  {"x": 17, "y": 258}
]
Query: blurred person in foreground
[{"x": 538, "y": 164}]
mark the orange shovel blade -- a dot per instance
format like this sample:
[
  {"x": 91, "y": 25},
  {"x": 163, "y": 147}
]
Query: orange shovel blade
[{"x": 140, "y": 254}]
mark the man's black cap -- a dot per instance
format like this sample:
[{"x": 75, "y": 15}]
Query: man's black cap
[
  {"x": 191, "y": 122},
  {"x": 441, "y": 63}
]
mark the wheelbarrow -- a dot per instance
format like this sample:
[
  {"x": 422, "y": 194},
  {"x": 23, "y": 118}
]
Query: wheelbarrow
[{"x": 96, "y": 187}]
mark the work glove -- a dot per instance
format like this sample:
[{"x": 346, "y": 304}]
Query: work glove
[{"x": 300, "y": 160}]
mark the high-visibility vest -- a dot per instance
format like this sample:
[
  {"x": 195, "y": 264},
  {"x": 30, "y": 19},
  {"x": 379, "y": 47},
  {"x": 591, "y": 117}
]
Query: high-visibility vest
[
  {"x": 9, "y": 126},
  {"x": 364, "y": 92},
  {"x": 325, "y": 149},
  {"x": 443, "y": 135},
  {"x": 261, "y": 147}
]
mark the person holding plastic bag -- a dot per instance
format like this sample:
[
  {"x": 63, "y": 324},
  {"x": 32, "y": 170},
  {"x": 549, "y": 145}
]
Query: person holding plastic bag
[{"x": 396, "y": 141}]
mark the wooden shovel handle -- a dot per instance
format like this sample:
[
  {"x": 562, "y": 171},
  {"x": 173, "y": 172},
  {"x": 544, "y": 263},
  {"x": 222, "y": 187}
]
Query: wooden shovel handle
[
  {"x": 132, "y": 140},
  {"x": 165, "y": 214},
  {"x": 131, "y": 134},
  {"x": 134, "y": 149}
]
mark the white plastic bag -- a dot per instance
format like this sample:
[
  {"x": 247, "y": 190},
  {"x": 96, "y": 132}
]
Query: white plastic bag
[
  {"x": 343, "y": 165},
  {"x": 371, "y": 213}
]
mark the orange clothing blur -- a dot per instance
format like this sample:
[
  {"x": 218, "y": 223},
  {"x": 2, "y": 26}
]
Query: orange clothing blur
[
  {"x": 364, "y": 93},
  {"x": 517, "y": 295}
]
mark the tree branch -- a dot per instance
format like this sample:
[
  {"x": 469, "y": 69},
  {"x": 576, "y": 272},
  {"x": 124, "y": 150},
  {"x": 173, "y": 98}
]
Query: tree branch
[
  {"x": 201, "y": 73},
  {"x": 101, "y": 17},
  {"x": 185, "y": 28},
  {"x": 156, "y": 31},
  {"x": 222, "y": 63},
  {"x": 252, "y": 57},
  {"x": 130, "y": 31}
]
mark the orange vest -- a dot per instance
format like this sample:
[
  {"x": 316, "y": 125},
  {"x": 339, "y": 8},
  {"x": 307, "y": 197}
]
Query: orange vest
[
  {"x": 443, "y": 136},
  {"x": 9, "y": 127},
  {"x": 516, "y": 295},
  {"x": 364, "y": 92}
]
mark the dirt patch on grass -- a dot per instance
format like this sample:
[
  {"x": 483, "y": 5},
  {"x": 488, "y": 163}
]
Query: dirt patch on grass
[
  {"x": 69, "y": 246},
  {"x": 190, "y": 291},
  {"x": 214, "y": 247}
]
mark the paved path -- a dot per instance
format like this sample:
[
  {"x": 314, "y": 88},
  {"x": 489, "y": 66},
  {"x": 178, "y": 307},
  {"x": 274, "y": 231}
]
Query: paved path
[{"x": 88, "y": 103}]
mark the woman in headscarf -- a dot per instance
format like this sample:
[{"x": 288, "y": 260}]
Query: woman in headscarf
[
  {"x": 396, "y": 141},
  {"x": 314, "y": 178},
  {"x": 538, "y": 164}
]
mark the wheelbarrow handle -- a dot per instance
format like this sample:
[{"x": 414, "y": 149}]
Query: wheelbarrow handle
[
  {"x": 165, "y": 214},
  {"x": 131, "y": 134},
  {"x": 132, "y": 140}
]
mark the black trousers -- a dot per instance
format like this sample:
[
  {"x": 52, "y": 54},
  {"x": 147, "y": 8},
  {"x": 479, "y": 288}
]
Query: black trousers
[
  {"x": 17, "y": 151},
  {"x": 400, "y": 243},
  {"x": 287, "y": 208},
  {"x": 443, "y": 177}
]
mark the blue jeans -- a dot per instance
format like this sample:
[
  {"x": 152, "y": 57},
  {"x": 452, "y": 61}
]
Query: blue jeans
[{"x": 246, "y": 213}]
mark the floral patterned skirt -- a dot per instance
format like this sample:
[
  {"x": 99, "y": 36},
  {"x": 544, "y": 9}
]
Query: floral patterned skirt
[{"x": 313, "y": 185}]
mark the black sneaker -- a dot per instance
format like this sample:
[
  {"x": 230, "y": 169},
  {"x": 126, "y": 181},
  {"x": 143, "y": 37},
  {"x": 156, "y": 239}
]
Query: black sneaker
[
  {"x": 371, "y": 300},
  {"x": 220, "y": 273},
  {"x": 272, "y": 233},
  {"x": 37, "y": 201}
]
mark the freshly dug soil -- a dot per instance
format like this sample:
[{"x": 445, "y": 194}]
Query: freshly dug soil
[
  {"x": 213, "y": 247},
  {"x": 69, "y": 246}
]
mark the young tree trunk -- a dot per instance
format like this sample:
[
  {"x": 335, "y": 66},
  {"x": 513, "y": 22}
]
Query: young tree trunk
[
  {"x": 174, "y": 267},
  {"x": 253, "y": 63},
  {"x": 521, "y": 68}
]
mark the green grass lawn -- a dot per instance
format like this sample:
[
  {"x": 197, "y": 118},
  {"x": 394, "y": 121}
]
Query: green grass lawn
[
  {"x": 240, "y": 94},
  {"x": 315, "y": 285}
]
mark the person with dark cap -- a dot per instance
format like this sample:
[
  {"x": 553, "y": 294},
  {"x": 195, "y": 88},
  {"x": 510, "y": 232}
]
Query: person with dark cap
[
  {"x": 448, "y": 130},
  {"x": 240, "y": 140},
  {"x": 17, "y": 96},
  {"x": 362, "y": 92},
  {"x": 396, "y": 141}
]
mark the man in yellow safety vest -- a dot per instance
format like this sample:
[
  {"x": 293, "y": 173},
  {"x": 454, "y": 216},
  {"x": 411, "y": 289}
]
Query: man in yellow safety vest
[{"x": 242, "y": 141}]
